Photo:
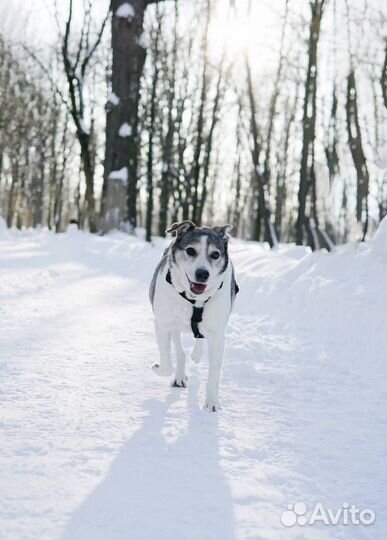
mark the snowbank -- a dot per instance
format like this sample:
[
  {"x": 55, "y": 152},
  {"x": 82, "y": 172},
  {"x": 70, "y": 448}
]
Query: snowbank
[{"x": 379, "y": 241}]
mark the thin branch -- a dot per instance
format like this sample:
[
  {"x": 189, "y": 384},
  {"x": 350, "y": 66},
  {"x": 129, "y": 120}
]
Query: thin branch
[{"x": 91, "y": 51}]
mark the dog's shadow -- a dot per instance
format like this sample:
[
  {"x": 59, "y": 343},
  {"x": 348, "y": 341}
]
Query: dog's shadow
[{"x": 160, "y": 490}]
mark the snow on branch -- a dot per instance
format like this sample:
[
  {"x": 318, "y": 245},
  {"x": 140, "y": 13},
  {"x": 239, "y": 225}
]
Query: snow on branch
[
  {"x": 125, "y": 130},
  {"x": 113, "y": 99},
  {"x": 84, "y": 127},
  {"x": 126, "y": 11},
  {"x": 121, "y": 174},
  {"x": 143, "y": 41}
]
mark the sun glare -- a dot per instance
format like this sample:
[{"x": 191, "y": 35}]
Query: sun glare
[
  {"x": 237, "y": 33},
  {"x": 231, "y": 31},
  {"x": 240, "y": 30}
]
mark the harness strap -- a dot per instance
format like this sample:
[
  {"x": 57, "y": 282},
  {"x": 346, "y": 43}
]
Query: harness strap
[
  {"x": 197, "y": 313},
  {"x": 197, "y": 316}
]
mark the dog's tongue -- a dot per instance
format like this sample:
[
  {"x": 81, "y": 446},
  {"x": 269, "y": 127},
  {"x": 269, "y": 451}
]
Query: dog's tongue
[{"x": 198, "y": 287}]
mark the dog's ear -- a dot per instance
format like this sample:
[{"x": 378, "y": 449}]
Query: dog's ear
[
  {"x": 224, "y": 231},
  {"x": 180, "y": 228}
]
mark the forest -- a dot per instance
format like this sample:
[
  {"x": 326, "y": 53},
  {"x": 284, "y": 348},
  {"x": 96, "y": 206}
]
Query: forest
[
  {"x": 161, "y": 380},
  {"x": 269, "y": 116}
]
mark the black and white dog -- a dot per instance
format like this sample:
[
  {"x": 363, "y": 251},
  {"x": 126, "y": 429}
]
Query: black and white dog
[{"x": 193, "y": 290}]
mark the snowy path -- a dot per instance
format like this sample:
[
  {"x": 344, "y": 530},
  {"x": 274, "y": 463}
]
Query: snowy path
[{"x": 95, "y": 447}]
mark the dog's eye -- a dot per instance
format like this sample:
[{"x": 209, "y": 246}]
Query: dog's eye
[
  {"x": 215, "y": 255},
  {"x": 191, "y": 252}
]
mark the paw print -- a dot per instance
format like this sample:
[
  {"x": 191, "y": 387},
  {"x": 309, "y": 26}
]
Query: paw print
[{"x": 294, "y": 514}]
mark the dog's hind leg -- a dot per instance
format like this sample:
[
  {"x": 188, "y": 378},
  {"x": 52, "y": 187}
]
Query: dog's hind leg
[
  {"x": 197, "y": 351},
  {"x": 164, "y": 367},
  {"x": 179, "y": 380}
]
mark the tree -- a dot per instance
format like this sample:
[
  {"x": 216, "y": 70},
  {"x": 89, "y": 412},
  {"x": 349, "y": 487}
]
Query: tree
[
  {"x": 307, "y": 221},
  {"x": 75, "y": 66},
  {"x": 263, "y": 228},
  {"x": 119, "y": 195},
  {"x": 152, "y": 128},
  {"x": 356, "y": 147}
]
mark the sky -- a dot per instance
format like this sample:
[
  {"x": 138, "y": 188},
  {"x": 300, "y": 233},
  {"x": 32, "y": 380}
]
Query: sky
[{"x": 257, "y": 30}]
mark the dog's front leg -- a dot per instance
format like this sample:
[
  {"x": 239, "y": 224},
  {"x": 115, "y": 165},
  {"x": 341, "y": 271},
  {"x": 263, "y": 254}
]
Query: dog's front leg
[
  {"x": 164, "y": 367},
  {"x": 179, "y": 380},
  {"x": 215, "y": 358},
  {"x": 197, "y": 351}
]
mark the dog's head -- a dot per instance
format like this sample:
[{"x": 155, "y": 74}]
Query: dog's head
[{"x": 199, "y": 254}]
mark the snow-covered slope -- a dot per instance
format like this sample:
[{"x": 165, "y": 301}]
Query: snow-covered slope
[{"x": 95, "y": 447}]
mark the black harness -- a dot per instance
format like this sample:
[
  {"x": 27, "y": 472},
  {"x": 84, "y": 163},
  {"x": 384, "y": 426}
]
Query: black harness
[{"x": 197, "y": 313}]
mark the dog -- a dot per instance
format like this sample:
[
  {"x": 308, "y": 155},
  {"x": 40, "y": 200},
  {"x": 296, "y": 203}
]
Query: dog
[{"x": 193, "y": 290}]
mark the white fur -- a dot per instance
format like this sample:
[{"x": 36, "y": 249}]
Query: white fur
[{"x": 173, "y": 316}]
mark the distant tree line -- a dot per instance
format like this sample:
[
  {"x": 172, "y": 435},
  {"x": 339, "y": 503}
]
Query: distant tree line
[{"x": 149, "y": 123}]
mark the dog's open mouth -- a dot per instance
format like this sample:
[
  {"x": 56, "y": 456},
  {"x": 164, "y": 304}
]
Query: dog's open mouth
[{"x": 197, "y": 288}]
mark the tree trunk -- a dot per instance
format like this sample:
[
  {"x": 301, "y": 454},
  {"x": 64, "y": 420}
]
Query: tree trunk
[
  {"x": 273, "y": 103},
  {"x": 120, "y": 176},
  {"x": 383, "y": 77},
  {"x": 357, "y": 152},
  {"x": 262, "y": 222},
  {"x": 209, "y": 142},
  {"x": 200, "y": 125},
  {"x": 12, "y": 193},
  {"x": 168, "y": 144},
  {"x": 282, "y": 167},
  {"x": 331, "y": 152},
  {"x": 307, "y": 187},
  {"x": 151, "y": 133}
]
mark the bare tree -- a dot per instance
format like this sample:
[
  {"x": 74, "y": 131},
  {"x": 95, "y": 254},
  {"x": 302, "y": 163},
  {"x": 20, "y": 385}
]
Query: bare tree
[
  {"x": 152, "y": 126},
  {"x": 356, "y": 147},
  {"x": 75, "y": 66},
  {"x": 122, "y": 138},
  {"x": 167, "y": 150},
  {"x": 383, "y": 77},
  {"x": 263, "y": 219},
  {"x": 307, "y": 221},
  {"x": 355, "y": 139}
]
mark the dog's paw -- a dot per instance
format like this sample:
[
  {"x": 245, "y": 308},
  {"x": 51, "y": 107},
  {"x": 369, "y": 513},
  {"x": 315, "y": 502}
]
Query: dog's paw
[
  {"x": 179, "y": 382},
  {"x": 162, "y": 371},
  {"x": 212, "y": 406}
]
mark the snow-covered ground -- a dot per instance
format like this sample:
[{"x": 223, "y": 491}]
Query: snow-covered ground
[{"x": 93, "y": 446}]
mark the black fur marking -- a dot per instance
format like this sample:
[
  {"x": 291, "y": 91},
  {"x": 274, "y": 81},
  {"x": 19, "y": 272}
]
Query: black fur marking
[{"x": 225, "y": 257}]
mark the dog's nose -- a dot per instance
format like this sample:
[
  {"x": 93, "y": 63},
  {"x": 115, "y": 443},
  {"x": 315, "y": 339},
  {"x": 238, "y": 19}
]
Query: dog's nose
[{"x": 201, "y": 275}]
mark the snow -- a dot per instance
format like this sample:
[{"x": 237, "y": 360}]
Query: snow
[
  {"x": 120, "y": 174},
  {"x": 381, "y": 157},
  {"x": 95, "y": 447},
  {"x": 143, "y": 41},
  {"x": 260, "y": 169},
  {"x": 113, "y": 99},
  {"x": 125, "y": 130},
  {"x": 126, "y": 11},
  {"x": 84, "y": 127}
]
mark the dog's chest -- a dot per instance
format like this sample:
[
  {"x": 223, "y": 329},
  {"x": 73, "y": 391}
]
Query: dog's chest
[
  {"x": 177, "y": 312},
  {"x": 182, "y": 312}
]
